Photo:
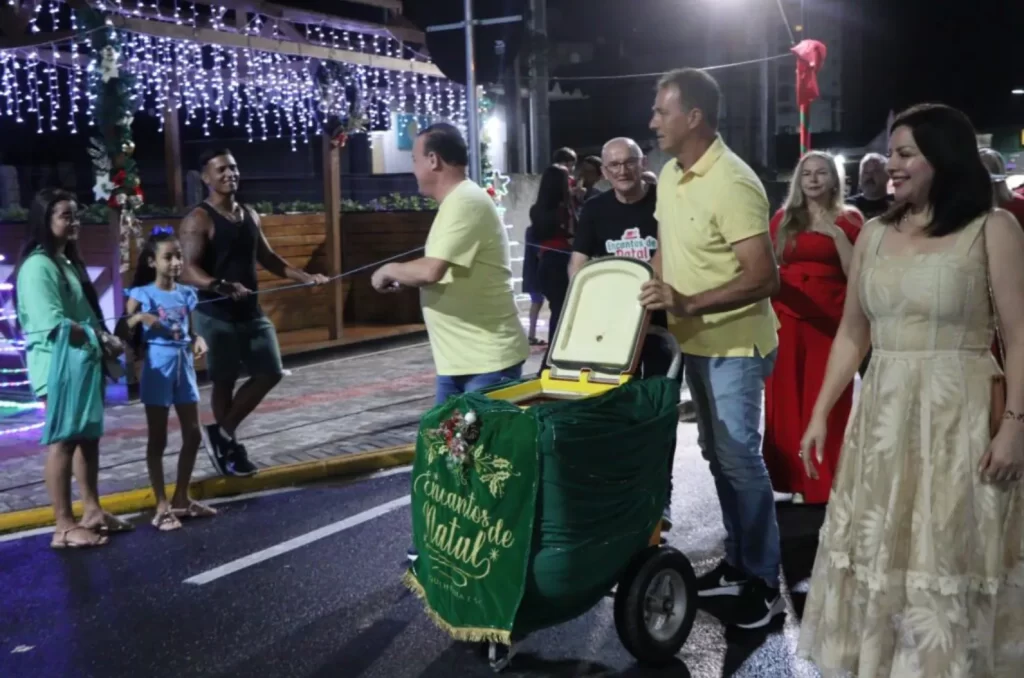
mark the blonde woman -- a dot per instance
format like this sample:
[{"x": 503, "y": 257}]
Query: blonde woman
[{"x": 813, "y": 235}]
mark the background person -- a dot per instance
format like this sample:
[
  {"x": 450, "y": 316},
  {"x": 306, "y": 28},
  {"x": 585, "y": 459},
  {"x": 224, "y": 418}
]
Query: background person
[
  {"x": 814, "y": 236},
  {"x": 531, "y": 283},
  {"x": 1001, "y": 193},
  {"x": 874, "y": 199},
  {"x": 552, "y": 221},
  {"x": 52, "y": 286},
  {"x": 589, "y": 175},
  {"x": 222, "y": 242}
]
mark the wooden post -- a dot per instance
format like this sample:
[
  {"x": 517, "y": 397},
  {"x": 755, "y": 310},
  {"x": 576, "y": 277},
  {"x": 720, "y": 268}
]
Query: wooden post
[
  {"x": 332, "y": 221},
  {"x": 172, "y": 158}
]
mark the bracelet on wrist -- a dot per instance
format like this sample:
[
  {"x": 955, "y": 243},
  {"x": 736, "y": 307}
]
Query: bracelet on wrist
[{"x": 1014, "y": 416}]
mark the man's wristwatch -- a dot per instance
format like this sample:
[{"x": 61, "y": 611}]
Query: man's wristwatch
[{"x": 216, "y": 285}]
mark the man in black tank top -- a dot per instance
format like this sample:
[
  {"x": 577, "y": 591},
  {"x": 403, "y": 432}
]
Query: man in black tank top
[{"x": 222, "y": 243}]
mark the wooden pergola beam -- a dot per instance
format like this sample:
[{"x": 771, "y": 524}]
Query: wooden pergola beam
[
  {"x": 27, "y": 41},
  {"x": 390, "y": 5},
  {"x": 303, "y": 16},
  {"x": 227, "y": 39}
]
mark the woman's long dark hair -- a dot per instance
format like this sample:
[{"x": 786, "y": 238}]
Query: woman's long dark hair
[
  {"x": 547, "y": 215},
  {"x": 40, "y": 236},
  {"x": 962, "y": 188}
]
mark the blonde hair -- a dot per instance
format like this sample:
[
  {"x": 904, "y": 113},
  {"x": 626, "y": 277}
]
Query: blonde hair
[{"x": 796, "y": 217}]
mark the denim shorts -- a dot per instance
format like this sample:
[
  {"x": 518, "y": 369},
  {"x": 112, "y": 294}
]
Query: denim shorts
[{"x": 168, "y": 376}]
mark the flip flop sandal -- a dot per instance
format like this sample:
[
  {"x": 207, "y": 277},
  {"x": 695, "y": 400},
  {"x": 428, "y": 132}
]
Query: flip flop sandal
[
  {"x": 166, "y": 522},
  {"x": 60, "y": 539},
  {"x": 111, "y": 525},
  {"x": 114, "y": 525},
  {"x": 195, "y": 510}
]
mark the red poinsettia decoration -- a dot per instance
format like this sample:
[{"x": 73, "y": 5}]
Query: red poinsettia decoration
[
  {"x": 340, "y": 139},
  {"x": 120, "y": 195}
]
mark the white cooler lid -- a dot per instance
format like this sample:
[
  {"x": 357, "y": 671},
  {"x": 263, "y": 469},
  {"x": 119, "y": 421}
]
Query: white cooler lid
[{"x": 603, "y": 324}]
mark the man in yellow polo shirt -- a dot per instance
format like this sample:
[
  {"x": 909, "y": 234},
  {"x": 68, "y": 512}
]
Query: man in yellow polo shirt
[
  {"x": 717, "y": 273},
  {"x": 465, "y": 277}
]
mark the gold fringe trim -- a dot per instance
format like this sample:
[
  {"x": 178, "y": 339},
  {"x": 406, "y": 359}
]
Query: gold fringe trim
[{"x": 461, "y": 634}]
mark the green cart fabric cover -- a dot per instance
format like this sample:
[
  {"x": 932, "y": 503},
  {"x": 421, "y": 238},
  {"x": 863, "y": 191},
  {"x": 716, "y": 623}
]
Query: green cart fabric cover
[{"x": 525, "y": 519}]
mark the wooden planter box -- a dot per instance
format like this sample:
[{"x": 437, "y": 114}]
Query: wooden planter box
[{"x": 369, "y": 237}]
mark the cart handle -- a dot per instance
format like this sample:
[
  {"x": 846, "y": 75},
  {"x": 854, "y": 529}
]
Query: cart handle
[{"x": 673, "y": 345}]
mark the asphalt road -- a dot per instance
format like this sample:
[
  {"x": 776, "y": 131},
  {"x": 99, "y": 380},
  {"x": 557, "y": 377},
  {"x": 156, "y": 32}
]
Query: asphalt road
[{"x": 327, "y": 601}]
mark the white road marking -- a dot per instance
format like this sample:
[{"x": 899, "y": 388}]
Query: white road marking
[
  {"x": 298, "y": 542},
  {"x": 387, "y": 473}
]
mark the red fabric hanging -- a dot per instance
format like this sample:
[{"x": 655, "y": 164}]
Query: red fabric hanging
[{"x": 810, "y": 58}]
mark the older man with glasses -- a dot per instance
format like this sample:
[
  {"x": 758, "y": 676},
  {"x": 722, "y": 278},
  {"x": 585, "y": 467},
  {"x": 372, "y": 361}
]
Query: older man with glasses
[{"x": 621, "y": 223}]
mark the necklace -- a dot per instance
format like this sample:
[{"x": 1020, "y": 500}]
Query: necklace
[{"x": 235, "y": 215}]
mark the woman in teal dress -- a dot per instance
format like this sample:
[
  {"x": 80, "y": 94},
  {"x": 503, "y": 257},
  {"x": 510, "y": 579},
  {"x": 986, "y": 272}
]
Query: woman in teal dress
[{"x": 53, "y": 286}]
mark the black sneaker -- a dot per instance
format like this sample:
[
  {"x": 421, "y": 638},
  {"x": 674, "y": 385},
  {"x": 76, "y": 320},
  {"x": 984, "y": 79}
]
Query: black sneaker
[
  {"x": 217, "y": 448},
  {"x": 238, "y": 463},
  {"x": 757, "y": 606},
  {"x": 724, "y": 580}
]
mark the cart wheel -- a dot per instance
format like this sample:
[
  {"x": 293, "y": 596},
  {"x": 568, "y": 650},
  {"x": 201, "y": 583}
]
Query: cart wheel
[{"x": 656, "y": 604}]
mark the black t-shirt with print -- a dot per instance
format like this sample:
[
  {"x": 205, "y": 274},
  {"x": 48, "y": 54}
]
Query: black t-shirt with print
[
  {"x": 870, "y": 208},
  {"x": 610, "y": 228}
]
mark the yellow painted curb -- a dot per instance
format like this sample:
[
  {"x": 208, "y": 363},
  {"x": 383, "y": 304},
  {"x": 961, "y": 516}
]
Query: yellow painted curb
[{"x": 268, "y": 479}]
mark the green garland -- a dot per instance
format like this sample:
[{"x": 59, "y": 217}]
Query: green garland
[{"x": 110, "y": 88}]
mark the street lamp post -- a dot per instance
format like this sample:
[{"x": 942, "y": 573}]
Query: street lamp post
[{"x": 473, "y": 108}]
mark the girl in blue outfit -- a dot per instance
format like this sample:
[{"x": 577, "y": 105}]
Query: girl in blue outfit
[{"x": 157, "y": 321}]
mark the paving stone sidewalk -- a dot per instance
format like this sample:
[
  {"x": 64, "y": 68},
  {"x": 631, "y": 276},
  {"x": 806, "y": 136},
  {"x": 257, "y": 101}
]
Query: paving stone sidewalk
[{"x": 339, "y": 405}]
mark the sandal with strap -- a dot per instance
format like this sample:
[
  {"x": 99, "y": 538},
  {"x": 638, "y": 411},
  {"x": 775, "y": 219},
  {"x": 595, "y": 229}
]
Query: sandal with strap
[
  {"x": 195, "y": 510},
  {"x": 166, "y": 521},
  {"x": 61, "y": 541},
  {"x": 110, "y": 524}
]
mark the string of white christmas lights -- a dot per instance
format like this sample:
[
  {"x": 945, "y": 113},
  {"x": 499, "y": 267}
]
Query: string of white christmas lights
[{"x": 269, "y": 94}]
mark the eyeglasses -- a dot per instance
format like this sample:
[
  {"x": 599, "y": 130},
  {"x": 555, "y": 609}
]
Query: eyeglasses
[{"x": 630, "y": 164}]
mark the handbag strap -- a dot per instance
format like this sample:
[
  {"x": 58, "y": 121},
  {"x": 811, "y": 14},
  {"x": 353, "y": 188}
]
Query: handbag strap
[{"x": 1000, "y": 346}]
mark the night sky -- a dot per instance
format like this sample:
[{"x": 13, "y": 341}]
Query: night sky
[{"x": 966, "y": 54}]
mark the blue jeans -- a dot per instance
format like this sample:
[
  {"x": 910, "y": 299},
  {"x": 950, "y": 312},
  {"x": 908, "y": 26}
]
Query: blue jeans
[
  {"x": 727, "y": 394},
  {"x": 448, "y": 386}
]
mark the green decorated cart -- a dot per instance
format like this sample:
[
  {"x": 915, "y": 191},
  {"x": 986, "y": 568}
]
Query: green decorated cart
[{"x": 533, "y": 501}]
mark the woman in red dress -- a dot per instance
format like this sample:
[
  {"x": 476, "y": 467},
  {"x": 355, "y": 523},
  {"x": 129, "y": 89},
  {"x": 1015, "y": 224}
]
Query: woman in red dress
[{"x": 813, "y": 235}]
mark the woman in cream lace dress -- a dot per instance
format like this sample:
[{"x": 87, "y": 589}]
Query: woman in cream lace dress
[{"x": 920, "y": 567}]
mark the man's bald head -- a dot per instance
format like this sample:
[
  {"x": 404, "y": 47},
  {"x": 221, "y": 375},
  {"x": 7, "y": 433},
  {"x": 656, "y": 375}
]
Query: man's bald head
[
  {"x": 621, "y": 146},
  {"x": 623, "y": 164}
]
